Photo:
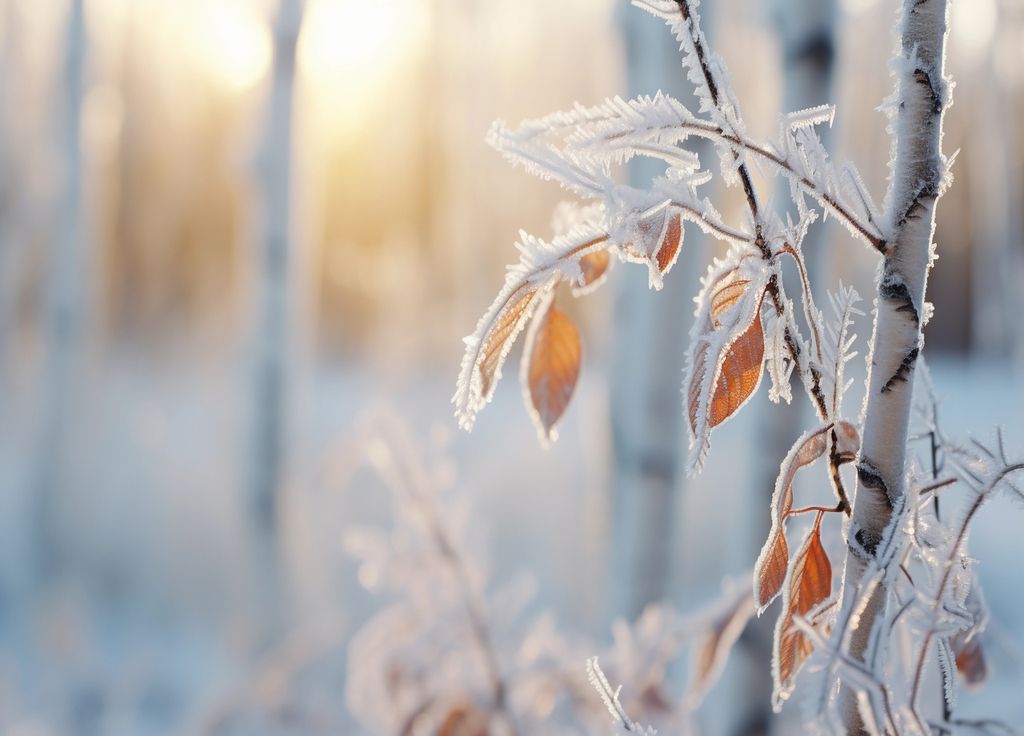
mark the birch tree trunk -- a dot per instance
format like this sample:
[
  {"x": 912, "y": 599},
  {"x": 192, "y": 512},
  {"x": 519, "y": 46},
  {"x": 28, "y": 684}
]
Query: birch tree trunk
[
  {"x": 64, "y": 302},
  {"x": 648, "y": 435},
  {"x": 916, "y": 182},
  {"x": 270, "y": 418}
]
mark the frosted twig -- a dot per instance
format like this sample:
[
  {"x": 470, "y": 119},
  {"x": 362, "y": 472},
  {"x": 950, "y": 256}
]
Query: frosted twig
[{"x": 610, "y": 698}]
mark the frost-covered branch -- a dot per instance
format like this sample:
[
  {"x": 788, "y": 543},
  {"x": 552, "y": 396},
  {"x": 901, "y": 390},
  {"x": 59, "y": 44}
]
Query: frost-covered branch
[{"x": 610, "y": 698}]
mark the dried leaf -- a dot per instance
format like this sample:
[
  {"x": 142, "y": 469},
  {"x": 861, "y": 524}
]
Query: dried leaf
[
  {"x": 485, "y": 355},
  {"x": 711, "y": 651},
  {"x": 727, "y": 358},
  {"x": 551, "y": 366},
  {"x": 726, "y": 296},
  {"x": 593, "y": 269},
  {"x": 770, "y": 570},
  {"x": 810, "y": 585},
  {"x": 655, "y": 238},
  {"x": 668, "y": 251},
  {"x": 847, "y": 441},
  {"x": 739, "y": 374},
  {"x": 970, "y": 660},
  {"x": 499, "y": 340}
]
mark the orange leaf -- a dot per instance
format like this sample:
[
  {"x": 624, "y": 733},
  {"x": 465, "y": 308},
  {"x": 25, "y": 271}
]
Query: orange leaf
[
  {"x": 810, "y": 584},
  {"x": 551, "y": 366},
  {"x": 499, "y": 339},
  {"x": 593, "y": 267},
  {"x": 727, "y": 359},
  {"x": 770, "y": 570},
  {"x": 656, "y": 240},
  {"x": 668, "y": 251},
  {"x": 740, "y": 373}
]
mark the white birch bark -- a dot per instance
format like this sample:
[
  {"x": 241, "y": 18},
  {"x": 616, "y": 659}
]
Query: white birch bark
[
  {"x": 267, "y": 462},
  {"x": 64, "y": 300},
  {"x": 648, "y": 431},
  {"x": 916, "y": 181}
]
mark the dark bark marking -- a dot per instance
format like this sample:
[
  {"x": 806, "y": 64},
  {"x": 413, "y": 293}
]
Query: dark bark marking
[
  {"x": 897, "y": 291},
  {"x": 902, "y": 373},
  {"x": 870, "y": 477},
  {"x": 871, "y": 480},
  {"x": 924, "y": 78},
  {"x": 868, "y": 542}
]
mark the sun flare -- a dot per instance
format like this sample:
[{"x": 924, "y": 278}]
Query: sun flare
[
  {"x": 233, "y": 42},
  {"x": 349, "y": 46}
]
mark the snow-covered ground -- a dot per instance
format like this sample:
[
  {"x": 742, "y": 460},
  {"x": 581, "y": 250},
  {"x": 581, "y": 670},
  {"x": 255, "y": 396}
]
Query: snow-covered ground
[{"x": 159, "y": 623}]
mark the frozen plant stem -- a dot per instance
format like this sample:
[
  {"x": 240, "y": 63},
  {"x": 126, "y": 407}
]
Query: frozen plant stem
[
  {"x": 474, "y": 609},
  {"x": 916, "y": 181}
]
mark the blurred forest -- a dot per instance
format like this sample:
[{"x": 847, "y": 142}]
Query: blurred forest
[{"x": 234, "y": 234}]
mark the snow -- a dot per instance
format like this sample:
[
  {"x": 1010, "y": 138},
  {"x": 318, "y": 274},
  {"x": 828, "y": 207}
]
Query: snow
[{"x": 154, "y": 628}]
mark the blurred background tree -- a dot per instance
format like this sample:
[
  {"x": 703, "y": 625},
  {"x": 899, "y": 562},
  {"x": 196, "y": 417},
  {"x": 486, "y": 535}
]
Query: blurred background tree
[{"x": 145, "y": 206}]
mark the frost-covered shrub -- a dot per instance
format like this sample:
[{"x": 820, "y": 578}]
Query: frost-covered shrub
[
  {"x": 454, "y": 653},
  {"x": 906, "y": 575}
]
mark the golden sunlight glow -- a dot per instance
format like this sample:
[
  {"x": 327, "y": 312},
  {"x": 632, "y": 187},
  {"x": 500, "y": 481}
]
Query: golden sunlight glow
[
  {"x": 349, "y": 46},
  {"x": 233, "y": 42},
  {"x": 347, "y": 35}
]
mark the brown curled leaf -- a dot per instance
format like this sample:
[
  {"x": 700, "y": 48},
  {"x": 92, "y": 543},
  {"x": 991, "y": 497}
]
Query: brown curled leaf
[
  {"x": 810, "y": 585},
  {"x": 551, "y": 367},
  {"x": 770, "y": 569}
]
